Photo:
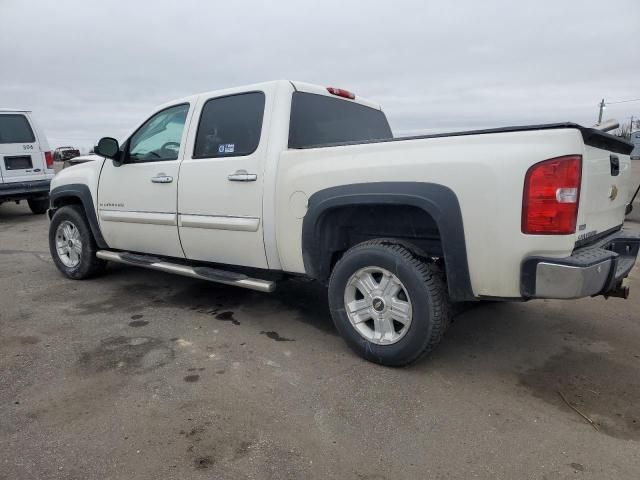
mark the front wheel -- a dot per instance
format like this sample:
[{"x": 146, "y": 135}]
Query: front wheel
[
  {"x": 390, "y": 306},
  {"x": 72, "y": 245}
]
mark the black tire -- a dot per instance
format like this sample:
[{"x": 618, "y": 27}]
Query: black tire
[
  {"x": 89, "y": 265},
  {"x": 38, "y": 205},
  {"x": 425, "y": 285}
]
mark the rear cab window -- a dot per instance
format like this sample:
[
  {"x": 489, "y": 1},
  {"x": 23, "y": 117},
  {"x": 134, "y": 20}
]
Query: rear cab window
[
  {"x": 15, "y": 128},
  {"x": 318, "y": 120}
]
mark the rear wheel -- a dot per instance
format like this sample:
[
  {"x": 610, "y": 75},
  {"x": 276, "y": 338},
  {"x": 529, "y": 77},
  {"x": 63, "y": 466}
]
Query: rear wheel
[
  {"x": 72, "y": 245},
  {"x": 390, "y": 306},
  {"x": 38, "y": 205}
]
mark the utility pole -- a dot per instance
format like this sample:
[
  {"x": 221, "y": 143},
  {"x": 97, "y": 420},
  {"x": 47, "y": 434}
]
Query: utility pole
[{"x": 601, "y": 110}]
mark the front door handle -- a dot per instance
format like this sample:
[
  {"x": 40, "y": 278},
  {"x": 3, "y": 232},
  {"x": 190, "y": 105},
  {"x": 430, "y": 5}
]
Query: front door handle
[
  {"x": 162, "y": 178},
  {"x": 242, "y": 176}
]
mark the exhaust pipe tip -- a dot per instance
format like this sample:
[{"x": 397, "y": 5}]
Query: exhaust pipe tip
[{"x": 621, "y": 291}]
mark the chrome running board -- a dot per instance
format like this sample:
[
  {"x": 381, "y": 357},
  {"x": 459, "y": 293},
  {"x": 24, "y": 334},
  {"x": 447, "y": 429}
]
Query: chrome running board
[{"x": 202, "y": 273}]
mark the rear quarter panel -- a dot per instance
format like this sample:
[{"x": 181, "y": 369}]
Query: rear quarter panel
[{"x": 486, "y": 172}]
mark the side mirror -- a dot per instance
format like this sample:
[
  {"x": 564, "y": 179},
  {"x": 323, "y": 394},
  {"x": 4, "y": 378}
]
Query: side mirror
[{"x": 108, "y": 147}]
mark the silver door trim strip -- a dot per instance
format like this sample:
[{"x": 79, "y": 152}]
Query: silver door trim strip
[
  {"x": 149, "y": 218},
  {"x": 240, "y": 224}
]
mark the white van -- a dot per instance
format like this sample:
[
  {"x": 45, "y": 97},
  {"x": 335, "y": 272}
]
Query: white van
[{"x": 26, "y": 163}]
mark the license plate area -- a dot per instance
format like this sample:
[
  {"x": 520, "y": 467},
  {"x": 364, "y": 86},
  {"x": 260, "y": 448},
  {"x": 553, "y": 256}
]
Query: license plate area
[{"x": 18, "y": 162}]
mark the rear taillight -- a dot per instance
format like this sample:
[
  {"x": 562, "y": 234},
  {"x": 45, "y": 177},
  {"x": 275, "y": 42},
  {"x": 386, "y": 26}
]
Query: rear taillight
[
  {"x": 551, "y": 196},
  {"x": 340, "y": 92},
  {"x": 48, "y": 158}
]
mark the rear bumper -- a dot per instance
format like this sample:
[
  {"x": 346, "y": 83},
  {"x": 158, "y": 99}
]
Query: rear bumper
[
  {"x": 596, "y": 269},
  {"x": 24, "y": 190}
]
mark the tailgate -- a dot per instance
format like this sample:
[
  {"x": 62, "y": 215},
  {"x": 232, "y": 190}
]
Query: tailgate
[{"x": 607, "y": 188}]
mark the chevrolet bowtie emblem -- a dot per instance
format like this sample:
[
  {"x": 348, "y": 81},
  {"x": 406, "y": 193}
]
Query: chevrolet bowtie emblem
[{"x": 613, "y": 193}]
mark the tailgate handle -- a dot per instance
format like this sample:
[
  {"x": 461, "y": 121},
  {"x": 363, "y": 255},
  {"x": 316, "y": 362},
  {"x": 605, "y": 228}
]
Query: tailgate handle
[{"x": 615, "y": 165}]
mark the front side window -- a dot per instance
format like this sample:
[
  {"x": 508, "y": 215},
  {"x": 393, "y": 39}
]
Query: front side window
[
  {"x": 230, "y": 126},
  {"x": 15, "y": 129},
  {"x": 159, "y": 138}
]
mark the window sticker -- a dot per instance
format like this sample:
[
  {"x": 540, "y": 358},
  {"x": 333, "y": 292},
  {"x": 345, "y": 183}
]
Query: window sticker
[{"x": 226, "y": 148}]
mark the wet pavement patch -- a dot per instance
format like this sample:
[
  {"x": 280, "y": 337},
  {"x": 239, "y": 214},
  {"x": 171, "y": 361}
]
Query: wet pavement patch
[
  {"x": 203, "y": 462},
  {"x": 605, "y": 390},
  {"x": 129, "y": 298},
  {"x": 19, "y": 341},
  {"x": 307, "y": 300},
  {"x": 242, "y": 450},
  {"x": 227, "y": 317},
  {"x": 138, "y": 323},
  {"x": 195, "y": 431},
  {"x": 276, "y": 336},
  {"x": 128, "y": 355}
]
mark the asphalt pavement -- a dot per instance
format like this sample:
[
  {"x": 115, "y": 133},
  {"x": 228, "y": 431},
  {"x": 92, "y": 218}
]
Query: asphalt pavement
[{"x": 140, "y": 374}]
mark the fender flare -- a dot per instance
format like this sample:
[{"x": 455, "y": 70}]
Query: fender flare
[
  {"x": 82, "y": 193},
  {"x": 439, "y": 201}
]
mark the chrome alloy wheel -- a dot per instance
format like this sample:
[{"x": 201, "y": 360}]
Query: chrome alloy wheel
[
  {"x": 378, "y": 305},
  {"x": 68, "y": 244}
]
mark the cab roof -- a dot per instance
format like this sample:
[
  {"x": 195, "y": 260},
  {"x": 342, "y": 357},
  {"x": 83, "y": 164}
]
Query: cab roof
[
  {"x": 320, "y": 90},
  {"x": 296, "y": 85}
]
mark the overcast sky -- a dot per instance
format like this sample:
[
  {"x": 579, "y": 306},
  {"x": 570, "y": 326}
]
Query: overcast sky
[{"x": 95, "y": 68}]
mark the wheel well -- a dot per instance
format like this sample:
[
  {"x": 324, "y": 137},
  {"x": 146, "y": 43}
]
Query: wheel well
[
  {"x": 63, "y": 201},
  {"x": 78, "y": 194},
  {"x": 60, "y": 202},
  {"x": 424, "y": 217},
  {"x": 343, "y": 227}
]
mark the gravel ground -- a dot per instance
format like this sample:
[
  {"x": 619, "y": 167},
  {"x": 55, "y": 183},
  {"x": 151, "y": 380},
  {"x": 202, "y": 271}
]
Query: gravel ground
[{"x": 139, "y": 374}]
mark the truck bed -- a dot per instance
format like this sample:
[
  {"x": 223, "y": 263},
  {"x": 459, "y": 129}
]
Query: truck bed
[{"x": 591, "y": 136}]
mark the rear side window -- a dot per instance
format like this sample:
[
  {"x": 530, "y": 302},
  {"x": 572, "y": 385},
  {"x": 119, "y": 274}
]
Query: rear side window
[
  {"x": 230, "y": 126},
  {"x": 318, "y": 120},
  {"x": 15, "y": 129}
]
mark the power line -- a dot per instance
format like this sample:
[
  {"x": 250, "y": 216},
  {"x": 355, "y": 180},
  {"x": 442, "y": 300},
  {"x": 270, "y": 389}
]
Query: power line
[
  {"x": 604, "y": 104},
  {"x": 624, "y": 101}
]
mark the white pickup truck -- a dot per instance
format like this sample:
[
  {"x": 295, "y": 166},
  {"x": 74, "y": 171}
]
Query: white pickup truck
[{"x": 249, "y": 185}]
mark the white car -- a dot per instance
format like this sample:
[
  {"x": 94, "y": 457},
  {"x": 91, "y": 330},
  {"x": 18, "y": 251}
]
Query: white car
[
  {"x": 247, "y": 185},
  {"x": 26, "y": 163}
]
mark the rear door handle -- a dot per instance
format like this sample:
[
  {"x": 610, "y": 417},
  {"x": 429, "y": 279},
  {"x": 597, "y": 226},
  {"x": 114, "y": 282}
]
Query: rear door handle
[
  {"x": 162, "y": 178},
  {"x": 242, "y": 176}
]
